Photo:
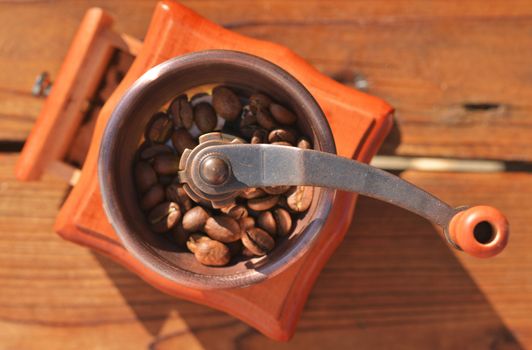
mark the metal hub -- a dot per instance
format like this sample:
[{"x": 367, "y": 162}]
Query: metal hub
[
  {"x": 214, "y": 170},
  {"x": 208, "y": 170}
]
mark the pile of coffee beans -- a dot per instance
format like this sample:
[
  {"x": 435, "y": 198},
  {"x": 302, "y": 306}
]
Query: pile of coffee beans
[{"x": 259, "y": 218}]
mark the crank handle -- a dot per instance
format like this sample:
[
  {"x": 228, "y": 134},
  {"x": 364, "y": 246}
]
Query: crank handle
[{"x": 224, "y": 170}]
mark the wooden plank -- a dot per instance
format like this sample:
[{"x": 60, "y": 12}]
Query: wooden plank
[
  {"x": 457, "y": 79},
  {"x": 393, "y": 283}
]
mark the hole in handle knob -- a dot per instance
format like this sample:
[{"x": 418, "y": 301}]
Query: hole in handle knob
[
  {"x": 480, "y": 231},
  {"x": 483, "y": 232}
]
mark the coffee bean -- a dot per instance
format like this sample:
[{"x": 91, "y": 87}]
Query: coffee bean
[
  {"x": 266, "y": 221},
  {"x": 226, "y": 103},
  {"x": 181, "y": 111},
  {"x": 282, "y": 115},
  {"x": 180, "y": 235},
  {"x": 258, "y": 241},
  {"x": 236, "y": 211},
  {"x": 195, "y": 219},
  {"x": 145, "y": 176},
  {"x": 246, "y": 222},
  {"x": 259, "y": 101},
  {"x": 286, "y": 135},
  {"x": 154, "y": 196},
  {"x": 304, "y": 143},
  {"x": 222, "y": 228},
  {"x": 212, "y": 253},
  {"x": 275, "y": 189},
  {"x": 300, "y": 198},
  {"x": 182, "y": 140},
  {"x": 159, "y": 128},
  {"x": 265, "y": 119},
  {"x": 205, "y": 117},
  {"x": 246, "y": 253},
  {"x": 283, "y": 221},
  {"x": 194, "y": 239},
  {"x": 166, "y": 164},
  {"x": 263, "y": 203},
  {"x": 151, "y": 151},
  {"x": 164, "y": 217},
  {"x": 259, "y": 136},
  {"x": 251, "y": 193},
  {"x": 176, "y": 193},
  {"x": 242, "y": 230}
]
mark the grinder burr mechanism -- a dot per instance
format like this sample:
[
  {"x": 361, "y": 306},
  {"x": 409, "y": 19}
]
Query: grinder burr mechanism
[{"x": 222, "y": 166}]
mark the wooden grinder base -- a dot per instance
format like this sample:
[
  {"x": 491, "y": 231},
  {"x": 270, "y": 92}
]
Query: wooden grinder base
[{"x": 359, "y": 124}]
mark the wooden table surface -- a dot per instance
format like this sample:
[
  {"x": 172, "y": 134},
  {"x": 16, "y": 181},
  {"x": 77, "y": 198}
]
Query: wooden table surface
[{"x": 459, "y": 74}]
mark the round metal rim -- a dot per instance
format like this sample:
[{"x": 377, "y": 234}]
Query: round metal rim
[{"x": 107, "y": 157}]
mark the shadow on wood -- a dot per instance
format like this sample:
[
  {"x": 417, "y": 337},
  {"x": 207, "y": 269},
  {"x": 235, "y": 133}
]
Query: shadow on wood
[{"x": 393, "y": 283}]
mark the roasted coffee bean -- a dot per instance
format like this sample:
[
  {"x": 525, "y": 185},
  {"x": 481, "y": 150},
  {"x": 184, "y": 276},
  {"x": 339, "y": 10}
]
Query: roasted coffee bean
[
  {"x": 195, "y": 219},
  {"x": 194, "y": 239},
  {"x": 145, "y": 176},
  {"x": 251, "y": 193},
  {"x": 182, "y": 140},
  {"x": 282, "y": 143},
  {"x": 287, "y": 135},
  {"x": 304, "y": 143},
  {"x": 154, "y": 196},
  {"x": 259, "y": 136},
  {"x": 246, "y": 253},
  {"x": 275, "y": 189},
  {"x": 243, "y": 230},
  {"x": 258, "y": 241},
  {"x": 176, "y": 193},
  {"x": 148, "y": 152},
  {"x": 283, "y": 221},
  {"x": 212, "y": 253},
  {"x": 166, "y": 164},
  {"x": 259, "y": 101},
  {"x": 282, "y": 115},
  {"x": 300, "y": 198},
  {"x": 180, "y": 235},
  {"x": 181, "y": 111},
  {"x": 263, "y": 203},
  {"x": 236, "y": 211},
  {"x": 266, "y": 221},
  {"x": 246, "y": 222},
  {"x": 159, "y": 128},
  {"x": 222, "y": 228},
  {"x": 226, "y": 103},
  {"x": 265, "y": 119},
  {"x": 164, "y": 217},
  {"x": 205, "y": 117}
]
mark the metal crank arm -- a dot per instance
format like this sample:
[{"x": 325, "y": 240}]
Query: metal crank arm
[{"x": 218, "y": 171}]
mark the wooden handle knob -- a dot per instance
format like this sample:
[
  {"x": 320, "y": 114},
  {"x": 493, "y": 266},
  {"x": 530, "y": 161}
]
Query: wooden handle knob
[{"x": 480, "y": 231}]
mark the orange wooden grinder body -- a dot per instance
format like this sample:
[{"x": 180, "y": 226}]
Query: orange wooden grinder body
[{"x": 359, "y": 123}]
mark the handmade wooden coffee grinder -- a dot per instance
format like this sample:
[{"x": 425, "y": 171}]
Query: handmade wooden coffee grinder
[{"x": 101, "y": 97}]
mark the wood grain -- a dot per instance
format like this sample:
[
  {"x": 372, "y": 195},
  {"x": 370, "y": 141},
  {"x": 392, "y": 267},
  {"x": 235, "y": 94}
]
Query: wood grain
[
  {"x": 459, "y": 83},
  {"x": 392, "y": 284}
]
